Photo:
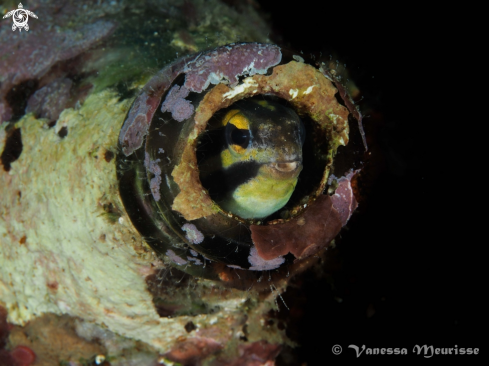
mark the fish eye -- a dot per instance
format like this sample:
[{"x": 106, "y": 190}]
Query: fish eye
[{"x": 237, "y": 137}]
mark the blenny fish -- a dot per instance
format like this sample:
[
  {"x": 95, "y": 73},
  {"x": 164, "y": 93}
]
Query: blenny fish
[{"x": 251, "y": 156}]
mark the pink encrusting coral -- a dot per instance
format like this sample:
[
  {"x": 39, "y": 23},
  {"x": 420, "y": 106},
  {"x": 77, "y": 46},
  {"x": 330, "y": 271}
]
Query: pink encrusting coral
[
  {"x": 175, "y": 258},
  {"x": 49, "y": 101},
  {"x": 223, "y": 64},
  {"x": 227, "y": 63},
  {"x": 193, "y": 234},
  {"x": 197, "y": 261},
  {"x": 30, "y": 56},
  {"x": 175, "y": 102},
  {"x": 344, "y": 201},
  {"x": 155, "y": 182},
  {"x": 260, "y": 264},
  {"x": 136, "y": 125}
]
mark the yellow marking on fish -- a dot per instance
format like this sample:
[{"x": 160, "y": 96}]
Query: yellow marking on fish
[
  {"x": 229, "y": 115},
  {"x": 240, "y": 121},
  {"x": 267, "y": 105},
  {"x": 227, "y": 159},
  {"x": 238, "y": 149},
  {"x": 261, "y": 196},
  {"x": 235, "y": 118}
]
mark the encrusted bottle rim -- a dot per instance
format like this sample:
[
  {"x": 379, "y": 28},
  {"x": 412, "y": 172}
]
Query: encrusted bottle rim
[{"x": 182, "y": 227}]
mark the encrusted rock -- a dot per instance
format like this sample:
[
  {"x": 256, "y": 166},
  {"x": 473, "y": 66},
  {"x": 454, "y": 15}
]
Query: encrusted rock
[
  {"x": 227, "y": 63},
  {"x": 49, "y": 101}
]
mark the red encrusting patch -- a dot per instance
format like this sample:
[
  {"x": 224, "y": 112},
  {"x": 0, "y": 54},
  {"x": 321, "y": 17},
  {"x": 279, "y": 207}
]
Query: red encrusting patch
[
  {"x": 257, "y": 354},
  {"x": 302, "y": 236},
  {"x": 306, "y": 234},
  {"x": 192, "y": 350},
  {"x": 20, "y": 355},
  {"x": 23, "y": 356}
]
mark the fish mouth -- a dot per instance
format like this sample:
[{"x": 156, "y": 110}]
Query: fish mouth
[{"x": 285, "y": 169}]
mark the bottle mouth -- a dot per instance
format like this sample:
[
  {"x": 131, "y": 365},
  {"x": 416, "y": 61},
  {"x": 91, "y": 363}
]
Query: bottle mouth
[{"x": 160, "y": 210}]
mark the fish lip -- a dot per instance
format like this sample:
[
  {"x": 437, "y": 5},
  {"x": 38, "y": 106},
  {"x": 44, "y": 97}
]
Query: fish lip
[{"x": 286, "y": 168}]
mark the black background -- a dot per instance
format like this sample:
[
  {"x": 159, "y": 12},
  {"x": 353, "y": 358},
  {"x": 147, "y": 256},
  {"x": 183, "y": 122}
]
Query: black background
[{"x": 406, "y": 270}]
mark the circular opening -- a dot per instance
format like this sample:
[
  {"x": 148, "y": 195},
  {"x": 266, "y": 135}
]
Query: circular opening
[
  {"x": 259, "y": 159},
  {"x": 167, "y": 185}
]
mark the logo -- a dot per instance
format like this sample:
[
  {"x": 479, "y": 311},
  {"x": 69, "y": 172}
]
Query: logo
[
  {"x": 426, "y": 351},
  {"x": 336, "y": 349},
  {"x": 378, "y": 351},
  {"x": 20, "y": 17}
]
